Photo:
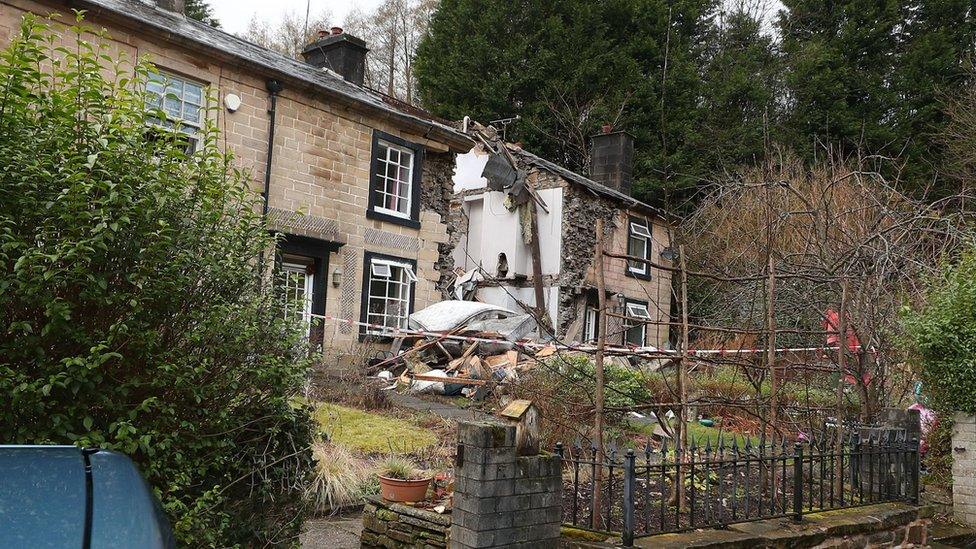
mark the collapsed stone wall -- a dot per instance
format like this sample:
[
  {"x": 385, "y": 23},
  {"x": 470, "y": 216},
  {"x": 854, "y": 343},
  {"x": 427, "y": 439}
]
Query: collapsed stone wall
[
  {"x": 580, "y": 211},
  {"x": 387, "y": 524},
  {"x": 437, "y": 194}
]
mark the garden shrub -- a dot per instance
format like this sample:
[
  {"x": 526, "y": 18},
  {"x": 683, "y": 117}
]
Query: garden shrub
[
  {"x": 942, "y": 338},
  {"x": 562, "y": 386},
  {"x": 134, "y": 318}
]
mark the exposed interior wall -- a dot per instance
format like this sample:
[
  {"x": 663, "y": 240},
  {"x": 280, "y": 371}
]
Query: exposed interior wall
[{"x": 568, "y": 239}]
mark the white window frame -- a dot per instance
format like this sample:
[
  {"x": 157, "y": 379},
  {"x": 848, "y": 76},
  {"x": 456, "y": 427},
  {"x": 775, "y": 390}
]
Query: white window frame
[
  {"x": 591, "y": 324},
  {"x": 636, "y": 310},
  {"x": 188, "y": 126},
  {"x": 286, "y": 269},
  {"x": 385, "y": 269},
  {"x": 382, "y": 180},
  {"x": 639, "y": 231}
]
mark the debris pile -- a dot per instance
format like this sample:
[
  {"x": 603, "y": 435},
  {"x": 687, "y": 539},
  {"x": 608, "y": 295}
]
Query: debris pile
[{"x": 466, "y": 348}]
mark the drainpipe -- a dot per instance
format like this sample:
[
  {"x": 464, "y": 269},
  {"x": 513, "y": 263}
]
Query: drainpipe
[{"x": 274, "y": 88}]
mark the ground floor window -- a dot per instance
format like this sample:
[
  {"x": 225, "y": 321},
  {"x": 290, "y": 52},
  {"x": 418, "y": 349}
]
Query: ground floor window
[
  {"x": 388, "y": 293},
  {"x": 635, "y": 331},
  {"x": 591, "y": 324},
  {"x": 297, "y": 279}
]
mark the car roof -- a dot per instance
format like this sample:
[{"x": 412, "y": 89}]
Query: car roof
[
  {"x": 44, "y": 499},
  {"x": 449, "y": 314}
]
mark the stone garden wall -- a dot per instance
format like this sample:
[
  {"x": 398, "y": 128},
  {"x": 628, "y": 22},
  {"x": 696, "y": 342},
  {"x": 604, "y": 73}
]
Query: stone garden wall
[{"x": 387, "y": 524}]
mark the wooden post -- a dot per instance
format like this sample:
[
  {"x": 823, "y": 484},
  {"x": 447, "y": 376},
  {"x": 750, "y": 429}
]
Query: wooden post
[
  {"x": 534, "y": 246},
  {"x": 771, "y": 350},
  {"x": 682, "y": 430},
  {"x": 601, "y": 343},
  {"x": 841, "y": 368},
  {"x": 525, "y": 416},
  {"x": 771, "y": 365}
]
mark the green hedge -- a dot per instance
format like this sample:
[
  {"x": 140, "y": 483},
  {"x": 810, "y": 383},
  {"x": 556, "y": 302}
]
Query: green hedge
[
  {"x": 942, "y": 338},
  {"x": 133, "y": 316}
]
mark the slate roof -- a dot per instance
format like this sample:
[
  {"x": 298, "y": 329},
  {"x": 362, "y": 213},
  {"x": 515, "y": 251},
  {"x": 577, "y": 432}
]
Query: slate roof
[
  {"x": 178, "y": 28},
  {"x": 593, "y": 186}
]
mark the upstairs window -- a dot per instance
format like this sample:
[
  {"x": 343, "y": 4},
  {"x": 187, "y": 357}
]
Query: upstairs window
[
  {"x": 638, "y": 245},
  {"x": 388, "y": 293},
  {"x": 180, "y": 99},
  {"x": 635, "y": 330},
  {"x": 395, "y": 180}
]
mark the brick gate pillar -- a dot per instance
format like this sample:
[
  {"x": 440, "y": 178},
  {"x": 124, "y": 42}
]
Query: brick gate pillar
[
  {"x": 964, "y": 469},
  {"x": 501, "y": 499}
]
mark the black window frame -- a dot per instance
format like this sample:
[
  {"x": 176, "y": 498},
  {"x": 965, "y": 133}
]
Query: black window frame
[
  {"x": 418, "y": 163},
  {"x": 368, "y": 258},
  {"x": 648, "y": 253},
  {"x": 316, "y": 249}
]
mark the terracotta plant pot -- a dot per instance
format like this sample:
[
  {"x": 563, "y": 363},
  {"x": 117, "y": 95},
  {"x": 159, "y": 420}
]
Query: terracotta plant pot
[{"x": 403, "y": 490}]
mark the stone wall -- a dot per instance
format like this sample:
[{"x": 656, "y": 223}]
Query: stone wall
[
  {"x": 964, "y": 469},
  {"x": 874, "y": 527},
  {"x": 322, "y": 152},
  {"x": 387, "y": 524},
  {"x": 580, "y": 211},
  {"x": 500, "y": 499}
]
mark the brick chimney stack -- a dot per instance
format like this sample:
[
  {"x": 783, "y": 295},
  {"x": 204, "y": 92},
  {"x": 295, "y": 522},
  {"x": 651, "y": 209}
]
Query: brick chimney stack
[
  {"x": 340, "y": 52},
  {"x": 612, "y": 159}
]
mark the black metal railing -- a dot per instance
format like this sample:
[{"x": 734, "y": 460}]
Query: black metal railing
[{"x": 663, "y": 490}]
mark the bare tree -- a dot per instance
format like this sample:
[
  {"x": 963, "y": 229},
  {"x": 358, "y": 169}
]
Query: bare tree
[
  {"x": 392, "y": 31},
  {"x": 290, "y": 35},
  {"x": 819, "y": 229}
]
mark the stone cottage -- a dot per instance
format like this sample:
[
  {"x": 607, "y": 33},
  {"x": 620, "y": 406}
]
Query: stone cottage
[
  {"x": 357, "y": 184},
  {"x": 494, "y": 253}
]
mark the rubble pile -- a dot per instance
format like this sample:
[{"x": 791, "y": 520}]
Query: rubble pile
[{"x": 462, "y": 348}]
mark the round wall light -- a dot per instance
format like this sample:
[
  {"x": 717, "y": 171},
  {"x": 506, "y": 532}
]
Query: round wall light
[{"x": 232, "y": 102}]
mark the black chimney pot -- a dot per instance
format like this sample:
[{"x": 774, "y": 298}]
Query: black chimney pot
[
  {"x": 343, "y": 53},
  {"x": 612, "y": 160}
]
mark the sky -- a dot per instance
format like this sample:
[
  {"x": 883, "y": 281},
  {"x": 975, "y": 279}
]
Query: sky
[{"x": 235, "y": 14}]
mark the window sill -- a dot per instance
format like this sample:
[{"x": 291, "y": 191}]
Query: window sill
[
  {"x": 396, "y": 220},
  {"x": 638, "y": 275}
]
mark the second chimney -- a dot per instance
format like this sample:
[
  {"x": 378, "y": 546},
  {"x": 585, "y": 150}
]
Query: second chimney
[
  {"x": 343, "y": 53},
  {"x": 176, "y": 6},
  {"x": 612, "y": 159}
]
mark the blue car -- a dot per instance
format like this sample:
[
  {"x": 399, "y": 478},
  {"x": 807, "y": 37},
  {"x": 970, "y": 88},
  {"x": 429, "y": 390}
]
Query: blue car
[{"x": 65, "y": 496}]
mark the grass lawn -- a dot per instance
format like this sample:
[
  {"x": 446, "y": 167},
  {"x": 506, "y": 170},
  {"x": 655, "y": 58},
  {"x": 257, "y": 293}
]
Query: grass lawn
[
  {"x": 371, "y": 433},
  {"x": 700, "y": 434}
]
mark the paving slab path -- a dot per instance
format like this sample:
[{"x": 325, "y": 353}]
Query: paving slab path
[
  {"x": 338, "y": 532},
  {"x": 446, "y": 411}
]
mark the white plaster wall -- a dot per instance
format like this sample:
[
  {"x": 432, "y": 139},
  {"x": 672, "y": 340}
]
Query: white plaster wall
[
  {"x": 467, "y": 171},
  {"x": 493, "y": 229},
  {"x": 503, "y": 297}
]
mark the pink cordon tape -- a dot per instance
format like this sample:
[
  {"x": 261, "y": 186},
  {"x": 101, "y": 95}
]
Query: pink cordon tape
[{"x": 619, "y": 349}]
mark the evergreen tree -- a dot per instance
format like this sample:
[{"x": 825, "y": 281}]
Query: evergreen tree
[
  {"x": 936, "y": 47},
  {"x": 569, "y": 66},
  {"x": 201, "y": 11},
  {"x": 741, "y": 92},
  {"x": 840, "y": 57},
  {"x": 870, "y": 77}
]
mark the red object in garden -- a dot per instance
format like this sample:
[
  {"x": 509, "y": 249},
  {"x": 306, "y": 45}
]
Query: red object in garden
[
  {"x": 397, "y": 490},
  {"x": 831, "y": 323}
]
